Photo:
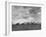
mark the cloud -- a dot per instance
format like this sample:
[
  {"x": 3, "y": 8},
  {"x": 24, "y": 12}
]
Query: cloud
[{"x": 22, "y": 15}]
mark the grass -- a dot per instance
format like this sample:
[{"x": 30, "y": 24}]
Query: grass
[{"x": 27, "y": 26}]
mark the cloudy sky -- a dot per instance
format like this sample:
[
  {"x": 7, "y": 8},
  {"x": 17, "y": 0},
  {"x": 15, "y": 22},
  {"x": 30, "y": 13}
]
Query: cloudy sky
[{"x": 26, "y": 14}]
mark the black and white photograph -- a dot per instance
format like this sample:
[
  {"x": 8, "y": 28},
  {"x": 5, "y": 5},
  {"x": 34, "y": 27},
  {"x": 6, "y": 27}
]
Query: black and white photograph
[{"x": 26, "y": 18}]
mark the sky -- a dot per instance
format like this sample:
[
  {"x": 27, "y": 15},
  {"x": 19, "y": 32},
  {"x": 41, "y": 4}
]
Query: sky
[{"x": 23, "y": 14}]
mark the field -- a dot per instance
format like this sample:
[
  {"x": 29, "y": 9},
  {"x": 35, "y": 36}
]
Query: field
[{"x": 27, "y": 26}]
